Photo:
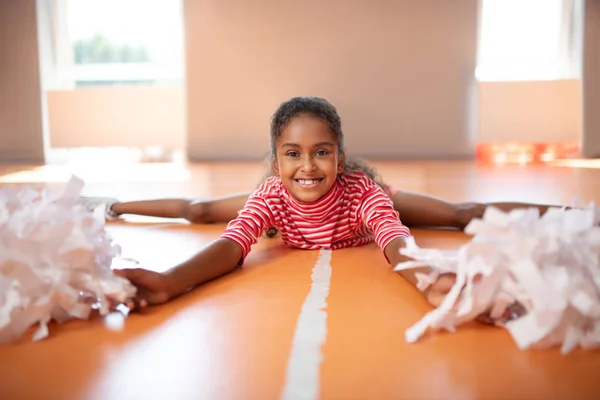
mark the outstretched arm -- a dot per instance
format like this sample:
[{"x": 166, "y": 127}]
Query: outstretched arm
[
  {"x": 162, "y": 208},
  {"x": 217, "y": 259},
  {"x": 390, "y": 234},
  {"x": 392, "y": 252},
  {"x": 415, "y": 209},
  {"x": 418, "y": 209},
  {"x": 198, "y": 211},
  {"x": 437, "y": 291}
]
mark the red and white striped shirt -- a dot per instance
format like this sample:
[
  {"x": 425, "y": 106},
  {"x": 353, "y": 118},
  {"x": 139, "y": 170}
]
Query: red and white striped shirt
[{"x": 356, "y": 211}]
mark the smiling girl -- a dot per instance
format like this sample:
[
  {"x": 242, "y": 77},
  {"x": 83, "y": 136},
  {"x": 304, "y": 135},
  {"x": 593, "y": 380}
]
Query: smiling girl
[{"x": 314, "y": 198}]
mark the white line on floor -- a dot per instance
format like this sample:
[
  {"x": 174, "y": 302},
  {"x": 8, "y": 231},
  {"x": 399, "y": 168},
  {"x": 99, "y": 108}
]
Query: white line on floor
[{"x": 304, "y": 364}]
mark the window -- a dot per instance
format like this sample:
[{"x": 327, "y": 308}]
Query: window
[
  {"x": 529, "y": 40},
  {"x": 114, "y": 42}
]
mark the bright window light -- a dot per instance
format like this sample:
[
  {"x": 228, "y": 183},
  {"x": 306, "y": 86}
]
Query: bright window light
[
  {"x": 126, "y": 41},
  {"x": 527, "y": 40}
]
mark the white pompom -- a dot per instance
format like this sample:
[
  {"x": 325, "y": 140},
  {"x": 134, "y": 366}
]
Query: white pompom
[
  {"x": 549, "y": 265},
  {"x": 55, "y": 261}
]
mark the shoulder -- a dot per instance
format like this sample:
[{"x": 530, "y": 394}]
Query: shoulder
[
  {"x": 271, "y": 187},
  {"x": 357, "y": 182}
]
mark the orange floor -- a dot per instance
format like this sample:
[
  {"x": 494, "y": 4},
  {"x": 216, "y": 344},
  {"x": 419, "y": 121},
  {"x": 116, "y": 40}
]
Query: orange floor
[{"x": 231, "y": 338}]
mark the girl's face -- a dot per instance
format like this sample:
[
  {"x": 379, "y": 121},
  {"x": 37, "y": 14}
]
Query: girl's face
[{"x": 307, "y": 158}]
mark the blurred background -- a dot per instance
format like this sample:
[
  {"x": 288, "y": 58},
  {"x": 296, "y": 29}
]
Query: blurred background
[{"x": 503, "y": 81}]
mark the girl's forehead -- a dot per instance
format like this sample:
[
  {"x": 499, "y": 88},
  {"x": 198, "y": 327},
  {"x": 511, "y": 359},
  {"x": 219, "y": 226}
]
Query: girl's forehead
[{"x": 305, "y": 129}]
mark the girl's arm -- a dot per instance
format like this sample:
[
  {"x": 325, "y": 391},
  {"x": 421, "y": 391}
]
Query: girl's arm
[
  {"x": 436, "y": 293},
  {"x": 219, "y": 258},
  {"x": 379, "y": 214},
  {"x": 392, "y": 252},
  {"x": 162, "y": 208},
  {"x": 199, "y": 211},
  {"x": 223, "y": 255},
  {"x": 417, "y": 209}
]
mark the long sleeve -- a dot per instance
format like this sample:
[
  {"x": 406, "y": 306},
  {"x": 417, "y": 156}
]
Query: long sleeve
[
  {"x": 377, "y": 212},
  {"x": 251, "y": 222}
]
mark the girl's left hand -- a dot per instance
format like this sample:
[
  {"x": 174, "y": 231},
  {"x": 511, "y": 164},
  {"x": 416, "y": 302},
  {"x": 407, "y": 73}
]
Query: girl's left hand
[{"x": 436, "y": 293}]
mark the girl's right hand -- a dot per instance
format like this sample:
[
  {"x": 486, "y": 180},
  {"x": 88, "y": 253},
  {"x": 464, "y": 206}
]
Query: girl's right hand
[
  {"x": 152, "y": 287},
  {"x": 436, "y": 293}
]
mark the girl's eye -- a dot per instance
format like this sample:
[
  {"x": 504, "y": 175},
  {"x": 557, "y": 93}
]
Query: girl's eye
[
  {"x": 292, "y": 154},
  {"x": 322, "y": 152}
]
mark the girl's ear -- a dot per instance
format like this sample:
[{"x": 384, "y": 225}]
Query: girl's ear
[
  {"x": 274, "y": 166},
  {"x": 341, "y": 163}
]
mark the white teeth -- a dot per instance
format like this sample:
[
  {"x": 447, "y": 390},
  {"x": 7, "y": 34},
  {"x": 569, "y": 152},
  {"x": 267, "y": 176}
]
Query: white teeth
[{"x": 307, "y": 181}]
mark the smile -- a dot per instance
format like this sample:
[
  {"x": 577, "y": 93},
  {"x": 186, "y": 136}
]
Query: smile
[{"x": 308, "y": 182}]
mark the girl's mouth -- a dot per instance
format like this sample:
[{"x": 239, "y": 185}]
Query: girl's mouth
[{"x": 307, "y": 183}]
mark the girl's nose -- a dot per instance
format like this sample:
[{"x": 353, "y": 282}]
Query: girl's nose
[{"x": 308, "y": 165}]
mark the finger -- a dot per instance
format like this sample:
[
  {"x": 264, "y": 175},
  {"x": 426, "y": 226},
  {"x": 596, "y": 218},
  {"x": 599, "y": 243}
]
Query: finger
[
  {"x": 130, "y": 304},
  {"x": 133, "y": 303},
  {"x": 141, "y": 300},
  {"x": 127, "y": 273},
  {"x": 144, "y": 297},
  {"x": 486, "y": 319},
  {"x": 436, "y": 298},
  {"x": 443, "y": 284},
  {"x": 113, "y": 300}
]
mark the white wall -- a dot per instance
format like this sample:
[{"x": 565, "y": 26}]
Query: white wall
[
  {"x": 127, "y": 116},
  {"x": 380, "y": 118},
  {"x": 591, "y": 80},
  {"x": 544, "y": 111},
  {"x": 400, "y": 72},
  {"x": 144, "y": 116},
  {"x": 21, "y": 118}
]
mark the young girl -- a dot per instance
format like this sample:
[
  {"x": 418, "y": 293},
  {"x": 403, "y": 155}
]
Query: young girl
[{"x": 314, "y": 198}]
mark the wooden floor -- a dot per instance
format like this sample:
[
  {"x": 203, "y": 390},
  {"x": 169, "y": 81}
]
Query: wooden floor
[
  {"x": 232, "y": 338},
  {"x": 560, "y": 182}
]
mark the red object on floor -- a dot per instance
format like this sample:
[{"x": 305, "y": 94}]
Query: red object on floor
[{"x": 525, "y": 152}]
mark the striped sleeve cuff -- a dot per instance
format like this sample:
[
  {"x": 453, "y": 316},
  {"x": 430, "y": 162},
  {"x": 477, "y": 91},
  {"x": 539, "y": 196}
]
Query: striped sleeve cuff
[
  {"x": 241, "y": 242},
  {"x": 383, "y": 238}
]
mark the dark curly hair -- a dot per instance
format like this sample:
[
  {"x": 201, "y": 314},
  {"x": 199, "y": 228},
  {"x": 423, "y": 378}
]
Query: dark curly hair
[
  {"x": 316, "y": 107},
  {"x": 323, "y": 110}
]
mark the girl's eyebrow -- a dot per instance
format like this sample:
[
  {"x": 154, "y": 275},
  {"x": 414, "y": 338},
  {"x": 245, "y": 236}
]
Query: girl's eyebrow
[
  {"x": 324, "y": 144},
  {"x": 315, "y": 145}
]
